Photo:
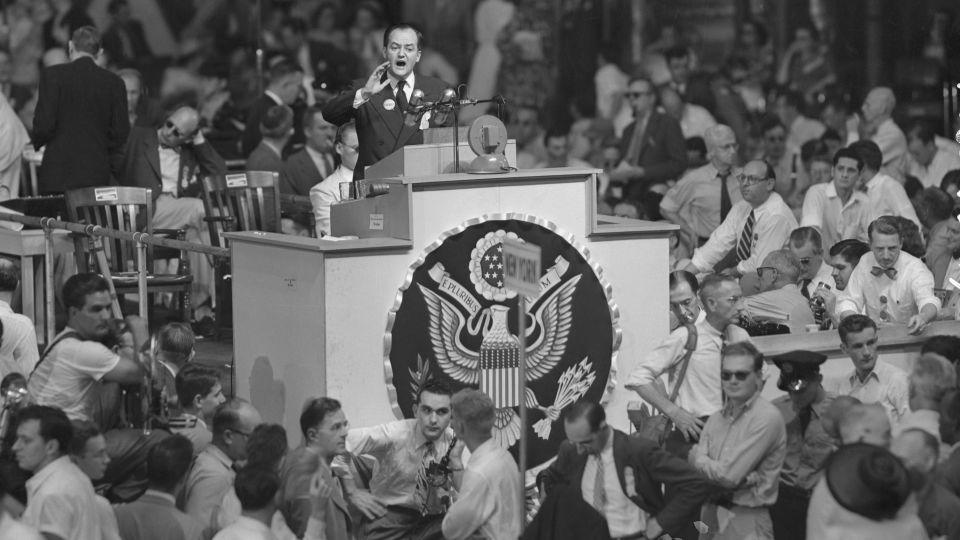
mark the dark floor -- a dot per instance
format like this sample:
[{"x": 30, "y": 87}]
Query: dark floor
[{"x": 218, "y": 354}]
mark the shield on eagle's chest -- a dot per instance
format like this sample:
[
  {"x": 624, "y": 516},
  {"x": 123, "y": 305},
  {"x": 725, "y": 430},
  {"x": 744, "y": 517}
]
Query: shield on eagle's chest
[{"x": 455, "y": 322}]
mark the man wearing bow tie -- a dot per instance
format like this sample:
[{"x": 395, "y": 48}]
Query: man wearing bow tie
[
  {"x": 890, "y": 286},
  {"x": 622, "y": 477},
  {"x": 378, "y": 104}
]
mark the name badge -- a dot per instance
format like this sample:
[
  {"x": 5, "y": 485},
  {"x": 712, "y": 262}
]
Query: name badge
[
  {"x": 389, "y": 104},
  {"x": 105, "y": 194},
  {"x": 236, "y": 180}
]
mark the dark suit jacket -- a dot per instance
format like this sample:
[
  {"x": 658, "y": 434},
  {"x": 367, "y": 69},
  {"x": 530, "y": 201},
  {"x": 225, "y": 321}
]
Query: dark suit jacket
[
  {"x": 652, "y": 468},
  {"x": 302, "y": 173},
  {"x": 663, "y": 152},
  {"x": 141, "y": 164},
  {"x": 81, "y": 119},
  {"x": 380, "y": 132},
  {"x": 113, "y": 43}
]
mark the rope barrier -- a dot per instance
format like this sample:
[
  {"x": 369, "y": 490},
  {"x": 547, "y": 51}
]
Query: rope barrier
[{"x": 47, "y": 223}]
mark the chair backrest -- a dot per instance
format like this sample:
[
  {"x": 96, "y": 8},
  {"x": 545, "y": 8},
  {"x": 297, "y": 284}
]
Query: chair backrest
[
  {"x": 127, "y": 209},
  {"x": 247, "y": 201}
]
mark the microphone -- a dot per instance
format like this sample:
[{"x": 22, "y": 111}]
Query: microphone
[
  {"x": 411, "y": 116},
  {"x": 442, "y": 109}
]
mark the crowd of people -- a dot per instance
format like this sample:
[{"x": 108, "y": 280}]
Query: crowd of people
[{"x": 797, "y": 212}]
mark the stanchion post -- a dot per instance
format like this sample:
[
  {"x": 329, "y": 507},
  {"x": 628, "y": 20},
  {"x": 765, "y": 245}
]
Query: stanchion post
[
  {"x": 522, "y": 335},
  {"x": 104, "y": 266},
  {"x": 142, "y": 279},
  {"x": 49, "y": 294}
]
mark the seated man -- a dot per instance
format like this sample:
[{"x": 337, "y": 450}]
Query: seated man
[
  {"x": 327, "y": 192},
  {"x": 175, "y": 343},
  {"x": 411, "y": 446},
  {"x": 18, "y": 349},
  {"x": 199, "y": 393},
  {"x": 888, "y": 285},
  {"x": 170, "y": 161},
  {"x": 779, "y": 298},
  {"x": 67, "y": 375},
  {"x": 742, "y": 447}
]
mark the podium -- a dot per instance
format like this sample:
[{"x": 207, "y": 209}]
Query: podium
[{"x": 317, "y": 317}]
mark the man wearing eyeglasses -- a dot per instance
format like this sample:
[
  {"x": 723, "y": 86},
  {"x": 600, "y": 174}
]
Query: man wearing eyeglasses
[
  {"x": 170, "y": 161},
  {"x": 652, "y": 147},
  {"x": 327, "y": 192},
  {"x": 807, "y": 246},
  {"x": 212, "y": 472},
  {"x": 742, "y": 447},
  {"x": 757, "y": 225},
  {"x": 779, "y": 299}
]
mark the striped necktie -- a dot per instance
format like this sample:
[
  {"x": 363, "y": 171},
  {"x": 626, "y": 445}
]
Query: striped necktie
[{"x": 746, "y": 238}]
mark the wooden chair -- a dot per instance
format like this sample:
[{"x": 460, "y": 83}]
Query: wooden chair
[
  {"x": 247, "y": 201},
  {"x": 127, "y": 209}
]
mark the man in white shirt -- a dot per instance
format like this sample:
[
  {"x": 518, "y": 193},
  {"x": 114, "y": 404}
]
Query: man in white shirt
[
  {"x": 18, "y": 348},
  {"x": 67, "y": 375},
  {"x": 700, "y": 394},
  {"x": 757, "y": 225},
  {"x": 694, "y": 119},
  {"x": 557, "y": 143},
  {"x": 871, "y": 381},
  {"x": 61, "y": 503},
  {"x": 932, "y": 157},
  {"x": 696, "y": 203},
  {"x": 488, "y": 491},
  {"x": 878, "y": 126},
  {"x": 780, "y": 299},
  {"x": 838, "y": 209},
  {"x": 887, "y": 196},
  {"x": 256, "y": 488},
  {"x": 327, "y": 191},
  {"x": 889, "y": 285}
]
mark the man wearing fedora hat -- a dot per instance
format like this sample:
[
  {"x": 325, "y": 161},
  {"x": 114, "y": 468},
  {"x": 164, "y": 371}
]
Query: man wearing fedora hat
[{"x": 804, "y": 409}]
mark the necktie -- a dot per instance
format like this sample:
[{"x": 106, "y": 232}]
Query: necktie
[
  {"x": 422, "y": 494},
  {"x": 725, "y": 203},
  {"x": 401, "y": 96},
  {"x": 599, "y": 489},
  {"x": 890, "y": 272},
  {"x": 746, "y": 238},
  {"x": 804, "y": 415},
  {"x": 804, "y": 284}
]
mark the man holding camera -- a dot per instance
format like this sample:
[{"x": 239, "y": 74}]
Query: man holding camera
[{"x": 67, "y": 374}]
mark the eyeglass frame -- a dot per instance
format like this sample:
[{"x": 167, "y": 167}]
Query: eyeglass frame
[
  {"x": 760, "y": 270},
  {"x": 738, "y": 375},
  {"x": 748, "y": 181}
]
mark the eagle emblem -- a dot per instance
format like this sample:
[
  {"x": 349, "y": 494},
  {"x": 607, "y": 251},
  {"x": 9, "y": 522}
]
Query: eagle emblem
[{"x": 462, "y": 327}]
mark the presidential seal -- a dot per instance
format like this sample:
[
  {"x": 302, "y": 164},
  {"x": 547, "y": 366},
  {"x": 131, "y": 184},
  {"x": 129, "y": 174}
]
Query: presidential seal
[{"x": 455, "y": 321}]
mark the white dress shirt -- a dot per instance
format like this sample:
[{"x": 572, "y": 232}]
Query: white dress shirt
[
  {"x": 945, "y": 160},
  {"x": 825, "y": 276},
  {"x": 18, "y": 349},
  {"x": 888, "y": 198},
  {"x": 407, "y": 89},
  {"x": 696, "y": 197},
  {"x": 245, "y": 528},
  {"x": 61, "y": 501},
  {"x": 325, "y": 193},
  {"x": 169, "y": 169},
  {"x": 624, "y": 518},
  {"x": 773, "y": 222},
  {"x": 488, "y": 502},
  {"x": 803, "y": 129},
  {"x": 836, "y": 221},
  {"x": 899, "y": 298},
  {"x": 886, "y": 385},
  {"x": 700, "y": 392}
]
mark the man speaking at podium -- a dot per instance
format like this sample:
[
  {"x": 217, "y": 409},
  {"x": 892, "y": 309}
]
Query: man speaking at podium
[{"x": 378, "y": 104}]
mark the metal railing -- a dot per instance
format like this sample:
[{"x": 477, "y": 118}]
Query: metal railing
[{"x": 97, "y": 232}]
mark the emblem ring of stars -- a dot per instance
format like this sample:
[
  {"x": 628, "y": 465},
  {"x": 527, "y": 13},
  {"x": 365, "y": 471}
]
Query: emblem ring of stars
[{"x": 491, "y": 266}]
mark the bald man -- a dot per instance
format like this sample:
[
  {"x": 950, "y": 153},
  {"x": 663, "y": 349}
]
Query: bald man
[
  {"x": 696, "y": 202},
  {"x": 780, "y": 299},
  {"x": 878, "y": 126},
  {"x": 170, "y": 161}
]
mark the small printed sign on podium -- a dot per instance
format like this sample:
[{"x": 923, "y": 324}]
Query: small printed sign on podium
[{"x": 521, "y": 267}]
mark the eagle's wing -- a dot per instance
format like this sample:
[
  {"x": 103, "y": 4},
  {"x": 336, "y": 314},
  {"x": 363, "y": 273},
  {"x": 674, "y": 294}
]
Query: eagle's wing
[
  {"x": 544, "y": 354},
  {"x": 446, "y": 323}
]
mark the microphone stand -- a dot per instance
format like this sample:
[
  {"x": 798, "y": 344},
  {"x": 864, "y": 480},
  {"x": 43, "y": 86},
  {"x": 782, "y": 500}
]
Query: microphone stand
[{"x": 454, "y": 107}]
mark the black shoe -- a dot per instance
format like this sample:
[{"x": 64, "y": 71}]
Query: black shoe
[{"x": 205, "y": 327}]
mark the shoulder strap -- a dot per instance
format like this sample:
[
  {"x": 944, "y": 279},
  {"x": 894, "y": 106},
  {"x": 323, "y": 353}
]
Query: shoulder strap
[
  {"x": 50, "y": 347},
  {"x": 689, "y": 347}
]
